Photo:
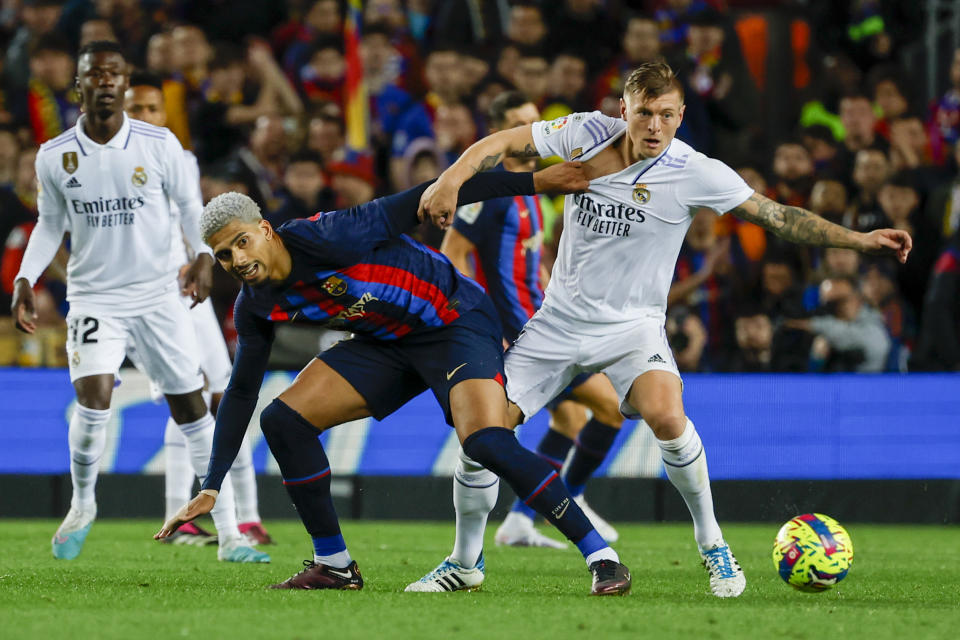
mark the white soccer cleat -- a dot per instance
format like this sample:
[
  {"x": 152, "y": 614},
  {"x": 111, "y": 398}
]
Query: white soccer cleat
[
  {"x": 67, "y": 542},
  {"x": 237, "y": 550},
  {"x": 604, "y": 528},
  {"x": 518, "y": 531},
  {"x": 450, "y": 575},
  {"x": 726, "y": 576}
]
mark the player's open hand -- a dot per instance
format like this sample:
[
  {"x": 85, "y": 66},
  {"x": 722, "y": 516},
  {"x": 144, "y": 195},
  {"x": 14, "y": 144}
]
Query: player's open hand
[
  {"x": 197, "y": 507},
  {"x": 24, "y": 306},
  {"x": 197, "y": 279},
  {"x": 566, "y": 177},
  {"x": 438, "y": 203},
  {"x": 889, "y": 241}
]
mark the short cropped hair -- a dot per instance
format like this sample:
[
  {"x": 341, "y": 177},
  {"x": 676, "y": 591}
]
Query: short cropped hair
[
  {"x": 100, "y": 46},
  {"x": 226, "y": 208},
  {"x": 142, "y": 78},
  {"x": 497, "y": 113},
  {"x": 651, "y": 80}
]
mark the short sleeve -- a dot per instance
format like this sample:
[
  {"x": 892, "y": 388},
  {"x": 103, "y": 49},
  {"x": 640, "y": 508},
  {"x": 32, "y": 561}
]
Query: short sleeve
[
  {"x": 574, "y": 136},
  {"x": 714, "y": 185}
]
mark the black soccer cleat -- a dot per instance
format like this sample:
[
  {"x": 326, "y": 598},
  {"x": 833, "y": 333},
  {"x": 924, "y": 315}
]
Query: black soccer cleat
[
  {"x": 319, "y": 576},
  {"x": 610, "y": 578}
]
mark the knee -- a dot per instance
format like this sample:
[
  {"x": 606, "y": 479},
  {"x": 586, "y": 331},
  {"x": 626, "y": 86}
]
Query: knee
[
  {"x": 188, "y": 407},
  {"x": 665, "y": 424},
  {"x": 272, "y": 417}
]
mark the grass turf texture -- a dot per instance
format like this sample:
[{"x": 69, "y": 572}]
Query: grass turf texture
[{"x": 905, "y": 581}]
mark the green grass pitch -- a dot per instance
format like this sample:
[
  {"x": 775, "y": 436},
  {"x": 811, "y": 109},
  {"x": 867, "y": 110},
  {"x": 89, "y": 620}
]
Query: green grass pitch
[{"x": 905, "y": 583}]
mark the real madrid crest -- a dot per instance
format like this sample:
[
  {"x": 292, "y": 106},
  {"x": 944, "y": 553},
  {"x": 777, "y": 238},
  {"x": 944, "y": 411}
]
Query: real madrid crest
[
  {"x": 139, "y": 177},
  {"x": 641, "y": 195},
  {"x": 70, "y": 161},
  {"x": 75, "y": 360},
  {"x": 334, "y": 286}
]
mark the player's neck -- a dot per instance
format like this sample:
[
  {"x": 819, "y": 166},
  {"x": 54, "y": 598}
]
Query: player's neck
[
  {"x": 284, "y": 263},
  {"x": 102, "y": 130}
]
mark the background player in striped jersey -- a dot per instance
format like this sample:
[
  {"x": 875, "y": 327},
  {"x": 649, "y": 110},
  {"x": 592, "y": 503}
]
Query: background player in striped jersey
[
  {"x": 144, "y": 101},
  {"x": 604, "y": 309},
  {"x": 108, "y": 181},
  {"x": 498, "y": 243},
  {"x": 418, "y": 324}
]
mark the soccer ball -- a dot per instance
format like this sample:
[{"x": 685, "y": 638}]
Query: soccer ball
[{"x": 812, "y": 552}]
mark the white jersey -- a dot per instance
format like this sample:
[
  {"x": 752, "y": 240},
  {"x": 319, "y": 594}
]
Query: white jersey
[
  {"x": 180, "y": 253},
  {"x": 622, "y": 236},
  {"x": 114, "y": 200}
]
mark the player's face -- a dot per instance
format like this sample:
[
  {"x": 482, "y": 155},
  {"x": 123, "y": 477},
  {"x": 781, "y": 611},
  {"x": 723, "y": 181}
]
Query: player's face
[
  {"x": 102, "y": 78},
  {"x": 651, "y": 124},
  {"x": 244, "y": 251},
  {"x": 525, "y": 114},
  {"x": 145, "y": 103}
]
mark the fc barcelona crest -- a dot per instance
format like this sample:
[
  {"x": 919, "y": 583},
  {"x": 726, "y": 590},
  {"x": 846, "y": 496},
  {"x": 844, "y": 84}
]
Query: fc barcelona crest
[
  {"x": 70, "y": 161},
  {"x": 139, "y": 177},
  {"x": 641, "y": 195},
  {"x": 334, "y": 286}
]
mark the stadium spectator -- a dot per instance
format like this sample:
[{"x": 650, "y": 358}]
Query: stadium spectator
[
  {"x": 938, "y": 343},
  {"x": 672, "y": 17},
  {"x": 879, "y": 287},
  {"x": 53, "y": 105},
  {"x": 869, "y": 172},
  {"x": 531, "y": 75},
  {"x": 824, "y": 151},
  {"x": 462, "y": 21},
  {"x": 454, "y": 129},
  {"x": 526, "y": 26},
  {"x": 97, "y": 29},
  {"x": 850, "y": 335},
  {"x": 326, "y": 135},
  {"x": 306, "y": 191},
  {"x": 568, "y": 23},
  {"x": 828, "y": 198},
  {"x": 262, "y": 161},
  {"x": 859, "y": 126},
  {"x": 9, "y": 151},
  {"x": 567, "y": 85},
  {"x": 942, "y": 209},
  {"x": 793, "y": 170},
  {"x": 321, "y": 75},
  {"x": 687, "y": 337},
  {"x": 900, "y": 204},
  {"x": 292, "y": 39},
  {"x": 39, "y": 18},
  {"x": 945, "y": 113},
  {"x": 640, "y": 43},
  {"x": 353, "y": 181},
  {"x": 754, "y": 333}
]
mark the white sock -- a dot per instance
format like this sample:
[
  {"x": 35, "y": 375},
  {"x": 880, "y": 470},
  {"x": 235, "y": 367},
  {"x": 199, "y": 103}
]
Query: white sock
[
  {"x": 178, "y": 472},
  {"x": 685, "y": 462},
  {"x": 339, "y": 560},
  {"x": 602, "y": 554},
  {"x": 245, "y": 485},
  {"x": 88, "y": 438},
  {"x": 474, "y": 496},
  {"x": 199, "y": 437}
]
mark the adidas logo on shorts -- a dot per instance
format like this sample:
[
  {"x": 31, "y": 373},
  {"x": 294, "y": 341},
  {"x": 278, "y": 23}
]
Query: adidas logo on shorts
[
  {"x": 73, "y": 183},
  {"x": 656, "y": 358}
]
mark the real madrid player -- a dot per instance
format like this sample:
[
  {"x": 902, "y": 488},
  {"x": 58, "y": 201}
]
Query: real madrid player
[
  {"x": 144, "y": 101},
  {"x": 604, "y": 308},
  {"x": 108, "y": 181},
  {"x": 418, "y": 324},
  {"x": 498, "y": 243}
]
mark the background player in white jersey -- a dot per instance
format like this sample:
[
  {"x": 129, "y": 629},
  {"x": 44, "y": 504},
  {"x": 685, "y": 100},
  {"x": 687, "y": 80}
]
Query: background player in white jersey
[
  {"x": 498, "y": 243},
  {"x": 144, "y": 101},
  {"x": 108, "y": 181},
  {"x": 605, "y": 306}
]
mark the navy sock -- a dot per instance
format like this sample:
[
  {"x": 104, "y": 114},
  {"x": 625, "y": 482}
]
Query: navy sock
[
  {"x": 592, "y": 446},
  {"x": 303, "y": 463},
  {"x": 531, "y": 478},
  {"x": 553, "y": 447}
]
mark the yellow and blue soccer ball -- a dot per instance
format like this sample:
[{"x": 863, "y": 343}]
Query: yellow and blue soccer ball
[{"x": 812, "y": 552}]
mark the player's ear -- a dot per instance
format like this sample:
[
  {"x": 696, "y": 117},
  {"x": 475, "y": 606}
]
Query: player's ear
[
  {"x": 266, "y": 228},
  {"x": 623, "y": 108}
]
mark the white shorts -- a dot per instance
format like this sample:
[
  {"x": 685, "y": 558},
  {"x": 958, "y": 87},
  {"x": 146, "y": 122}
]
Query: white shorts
[
  {"x": 164, "y": 340},
  {"x": 214, "y": 357},
  {"x": 552, "y": 349}
]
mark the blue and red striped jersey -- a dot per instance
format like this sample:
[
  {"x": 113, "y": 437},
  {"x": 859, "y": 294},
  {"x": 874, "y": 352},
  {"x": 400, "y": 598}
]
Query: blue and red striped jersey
[
  {"x": 342, "y": 277},
  {"x": 508, "y": 234}
]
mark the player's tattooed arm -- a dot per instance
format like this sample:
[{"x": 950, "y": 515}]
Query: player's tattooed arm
[
  {"x": 490, "y": 161},
  {"x": 805, "y": 227},
  {"x": 794, "y": 224}
]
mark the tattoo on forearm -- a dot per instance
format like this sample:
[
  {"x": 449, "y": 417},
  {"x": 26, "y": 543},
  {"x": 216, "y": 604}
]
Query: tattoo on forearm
[
  {"x": 793, "y": 223},
  {"x": 529, "y": 152},
  {"x": 488, "y": 163}
]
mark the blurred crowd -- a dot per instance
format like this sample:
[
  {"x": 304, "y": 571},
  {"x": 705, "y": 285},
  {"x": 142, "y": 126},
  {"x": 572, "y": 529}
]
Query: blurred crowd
[{"x": 809, "y": 101}]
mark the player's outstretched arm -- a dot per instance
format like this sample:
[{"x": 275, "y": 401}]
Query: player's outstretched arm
[
  {"x": 805, "y": 227},
  {"x": 201, "y": 505},
  {"x": 440, "y": 200}
]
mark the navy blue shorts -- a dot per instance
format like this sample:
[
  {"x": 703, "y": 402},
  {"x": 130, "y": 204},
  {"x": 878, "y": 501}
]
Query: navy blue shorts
[
  {"x": 388, "y": 374},
  {"x": 568, "y": 390}
]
